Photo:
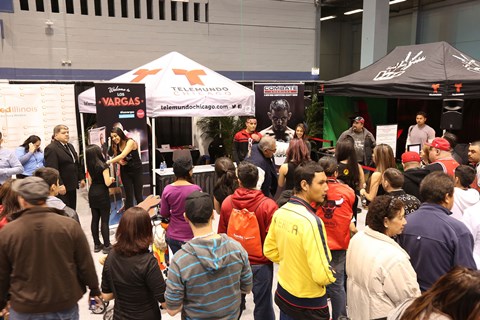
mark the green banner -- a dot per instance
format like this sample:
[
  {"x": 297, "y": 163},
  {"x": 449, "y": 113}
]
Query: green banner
[{"x": 339, "y": 112}]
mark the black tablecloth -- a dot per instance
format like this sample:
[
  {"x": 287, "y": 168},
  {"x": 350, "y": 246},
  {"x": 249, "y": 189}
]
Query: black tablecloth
[{"x": 206, "y": 181}]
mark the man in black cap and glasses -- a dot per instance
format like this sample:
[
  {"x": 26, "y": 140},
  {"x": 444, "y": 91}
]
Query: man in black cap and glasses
[{"x": 364, "y": 141}]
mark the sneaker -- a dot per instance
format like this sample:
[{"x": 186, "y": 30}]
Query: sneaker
[
  {"x": 98, "y": 247},
  {"x": 106, "y": 250}
]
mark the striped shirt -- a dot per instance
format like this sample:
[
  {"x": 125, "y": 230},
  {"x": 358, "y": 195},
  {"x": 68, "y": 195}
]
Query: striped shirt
[{"x": 207, "y": 277}]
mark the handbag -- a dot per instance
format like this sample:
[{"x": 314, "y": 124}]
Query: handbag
[{"x": 159, "y": 234}]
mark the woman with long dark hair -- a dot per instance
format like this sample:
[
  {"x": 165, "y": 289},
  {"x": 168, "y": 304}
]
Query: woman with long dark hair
[
  {"x": 297, "y": 154},
  {"x": 125, "y": 153},
  {"x": 131, "y": 274},
  {"x": 380, "y": 275},
  {"x": 30, "y": 155},
  {"x": 454, "y": 296},
  {"x": 98, "y": 196},
  {"x": 226, "y": 182},
  {"x": 172, "y": 204},
  {"x": 301, "y": 133},
  {"x": 349, "y": 171}
]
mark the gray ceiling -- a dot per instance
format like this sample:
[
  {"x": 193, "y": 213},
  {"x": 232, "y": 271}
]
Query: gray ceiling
[{"x": 338, "y": 7}]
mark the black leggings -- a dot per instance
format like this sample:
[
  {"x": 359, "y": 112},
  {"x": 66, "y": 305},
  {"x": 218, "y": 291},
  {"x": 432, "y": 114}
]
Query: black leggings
[
  {"x": 97, "y": 214},
  {"x": 132, "y": 181}
]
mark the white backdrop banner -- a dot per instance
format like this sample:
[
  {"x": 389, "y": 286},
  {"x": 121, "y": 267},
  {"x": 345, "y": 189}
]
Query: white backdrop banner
[{"x": 27, "y": 109}]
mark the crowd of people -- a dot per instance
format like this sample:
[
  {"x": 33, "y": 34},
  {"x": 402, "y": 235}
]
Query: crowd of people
[
  {"x": 46, "y": 260},
  {"x": 414, "y": 259}
]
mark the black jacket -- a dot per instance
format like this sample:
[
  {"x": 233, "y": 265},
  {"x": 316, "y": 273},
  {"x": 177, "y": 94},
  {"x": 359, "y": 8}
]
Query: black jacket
[
  {"x": 413, "y": 177},
  {"x": 269, "y": 186},
  {"x": 58, "y": 157}
]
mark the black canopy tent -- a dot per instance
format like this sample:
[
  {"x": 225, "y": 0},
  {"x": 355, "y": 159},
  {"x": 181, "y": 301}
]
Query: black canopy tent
[{"x": 425, "y": 71}]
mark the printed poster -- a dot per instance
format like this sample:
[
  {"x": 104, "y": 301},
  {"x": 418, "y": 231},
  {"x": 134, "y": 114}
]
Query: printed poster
[
  {"x": 123, "y": 105},
  {"x": 279, "y": 107}
]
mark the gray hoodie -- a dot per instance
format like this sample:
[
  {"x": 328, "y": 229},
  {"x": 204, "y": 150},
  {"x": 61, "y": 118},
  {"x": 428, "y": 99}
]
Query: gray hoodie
[
  {"x": 207, "y": 277},
  {"x": 54, "y": 202}
]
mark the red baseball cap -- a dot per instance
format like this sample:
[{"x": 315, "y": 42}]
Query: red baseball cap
[
  {"x": 410, "y": 156},
  {"x": 440, "y": 143},
  {"x": 359, "y": 119}
]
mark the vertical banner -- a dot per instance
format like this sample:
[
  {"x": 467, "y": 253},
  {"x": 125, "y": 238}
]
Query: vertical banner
[
  {"x": 279, "y": 107},
  {"x": 34, "y": 109},
  {"x": 123, "y": 105}
]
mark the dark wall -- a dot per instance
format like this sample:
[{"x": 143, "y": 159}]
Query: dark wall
[
  {"x": 174, "y": 131},
  {"x": 407, "y": 109}
]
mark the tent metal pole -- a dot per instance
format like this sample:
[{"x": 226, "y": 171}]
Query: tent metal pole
[
  {"x": 194, "y": 129},
  {"x": 154, "y": 158},
  {"x": 318, "y": 32},
  {"x": 84, "y": 146}
]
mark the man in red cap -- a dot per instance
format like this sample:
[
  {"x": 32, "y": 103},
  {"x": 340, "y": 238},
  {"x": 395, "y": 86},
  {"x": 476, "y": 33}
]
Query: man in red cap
[
  {"x": 440, "y": 156},
  {"x": 364, "y": 141},
  {"x": 413, "y": 173}
]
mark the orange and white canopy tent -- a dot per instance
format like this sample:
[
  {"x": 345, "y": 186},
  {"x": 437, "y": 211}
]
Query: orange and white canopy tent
[{"x": 177, "y": 86}]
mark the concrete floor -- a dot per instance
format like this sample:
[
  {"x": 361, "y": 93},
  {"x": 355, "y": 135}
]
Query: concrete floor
[{"x": 85, "y": 219}]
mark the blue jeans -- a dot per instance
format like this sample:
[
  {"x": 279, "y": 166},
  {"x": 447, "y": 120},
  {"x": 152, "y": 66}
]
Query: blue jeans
[
  {"x": 336, "y": 290},
  {"x": 70, "y": 314},
  {"x": 174, "y": 245},
  {"x": 262, "y": 291}
]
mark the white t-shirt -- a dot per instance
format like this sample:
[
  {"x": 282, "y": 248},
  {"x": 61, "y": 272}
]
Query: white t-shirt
[{"x": 417, "y": 135}]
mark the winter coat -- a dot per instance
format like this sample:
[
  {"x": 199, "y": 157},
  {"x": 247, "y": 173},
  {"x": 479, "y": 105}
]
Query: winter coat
[{"x": 380, "y": 276}]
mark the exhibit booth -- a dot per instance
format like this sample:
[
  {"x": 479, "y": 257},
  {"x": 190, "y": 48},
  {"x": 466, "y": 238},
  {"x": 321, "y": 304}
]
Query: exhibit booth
[
  {"x": 408, "y": 79},
  {"x": 176, "y": 86}
]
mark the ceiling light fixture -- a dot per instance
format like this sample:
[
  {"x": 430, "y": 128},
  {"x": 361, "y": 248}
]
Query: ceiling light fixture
[
  {"x": 353, "y": 12},
  {"x": 327, "y": 18},
  {"x": 396, "y": 1}
]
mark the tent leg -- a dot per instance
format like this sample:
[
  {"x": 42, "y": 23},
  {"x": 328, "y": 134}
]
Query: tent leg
[
  {"x": 154, "y": 157},
  {"x": 84, "y": 146}
]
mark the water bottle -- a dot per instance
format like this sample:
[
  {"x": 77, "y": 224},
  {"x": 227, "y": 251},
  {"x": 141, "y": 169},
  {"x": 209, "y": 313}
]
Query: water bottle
[
  {"x": 364, "y": 201},
  {"x": 93, "y": 304},
  {"x": 163, "y": 165}
]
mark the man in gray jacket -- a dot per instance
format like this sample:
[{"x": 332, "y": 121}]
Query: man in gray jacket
[{"x": 363, "y": 139}]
